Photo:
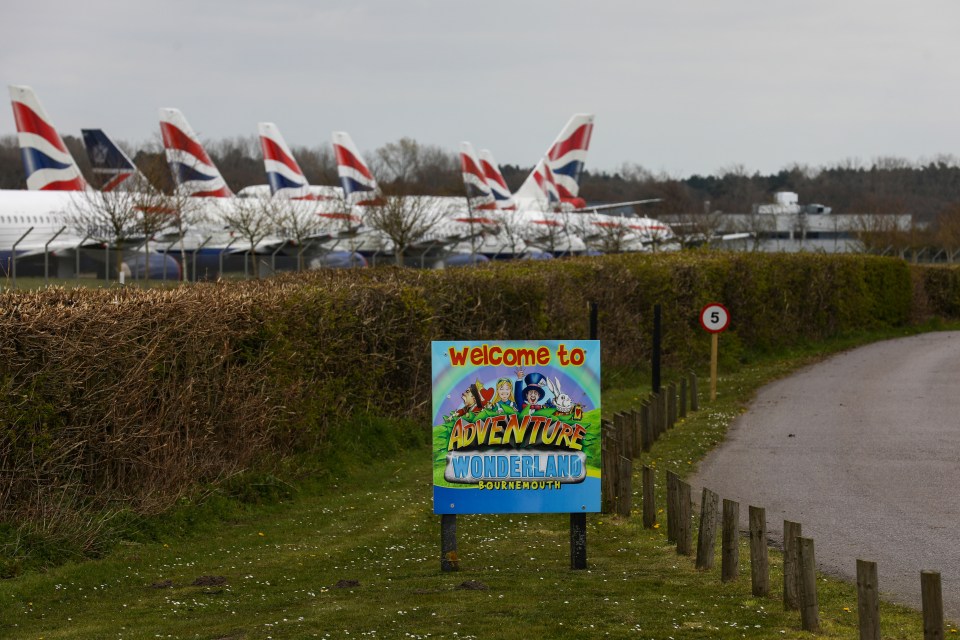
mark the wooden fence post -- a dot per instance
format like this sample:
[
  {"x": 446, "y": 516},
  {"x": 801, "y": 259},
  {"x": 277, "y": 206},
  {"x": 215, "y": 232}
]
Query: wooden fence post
[
  {"x": 809, "y": 608},
  {"x": 684, "y": 525},
  {"x": 673, "y": 506},
  {"x": 694, "y": 399},
  {"x": 622, "y": 435},
  {"x": 932, "y": 597},
  {"x": 654, "y": 424},
  {"x": 759, "y": 559},
  {"x": 637, "y": 432},
  {"x": 791, "y": 597},
  {"x": 707, "y": 536},
  {"x": 868, "y": 600},
  {"x": 610, "y": 478},
  {"x": 683, "y": 397},
  {"x": 672, "y": 403},
  {"x": 664, "y": 414},
  {"x": 730, "y": 545},
  {"x": 649, "y": 498},
  {"x": 625, "y": 498},
  {"x": 646, "y": 429}
]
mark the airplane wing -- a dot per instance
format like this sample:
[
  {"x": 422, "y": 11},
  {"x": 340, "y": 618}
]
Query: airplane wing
[
  {"x": 615, "y": 205},
  {"x": 27, "y": 249}
]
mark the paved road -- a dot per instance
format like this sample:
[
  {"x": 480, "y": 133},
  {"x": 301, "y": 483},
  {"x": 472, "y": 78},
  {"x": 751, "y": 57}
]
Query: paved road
[{"x": 864, "y": 451}]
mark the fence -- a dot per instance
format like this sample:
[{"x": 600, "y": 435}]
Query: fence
[{"x": 633, "y": 432}]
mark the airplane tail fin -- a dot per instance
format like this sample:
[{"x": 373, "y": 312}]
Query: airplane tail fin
[
  {"x": 498, "y": 186},
  {"x": 114, "y": 167},
  {"x": 479, "y": 195},
  {"x": 541, "y": 187},
  {"x": 359, "y": 185},
  {"x": 48, "y": 163},
  {"x": 193, "y": 171},
  {"x": 565, "y": 159},
  {"x": 284, "y": 174}
]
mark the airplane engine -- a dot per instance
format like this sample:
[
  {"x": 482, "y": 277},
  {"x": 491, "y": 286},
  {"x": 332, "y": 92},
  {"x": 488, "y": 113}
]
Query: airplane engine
[
  {"x": 461, "y": 260},
  {"x": 155, "y": 266},
  {"x": 338, "y": 260},
  {"x": 537, "y": 255}
]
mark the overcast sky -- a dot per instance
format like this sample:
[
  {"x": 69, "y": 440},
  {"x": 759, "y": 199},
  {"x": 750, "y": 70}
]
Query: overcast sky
[{"x": 679, "y": 87}]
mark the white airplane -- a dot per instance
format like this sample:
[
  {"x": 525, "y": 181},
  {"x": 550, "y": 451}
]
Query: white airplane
[
  {"x": 58, "y": 214},
  {"x": 553, "y": 188},
  {"x": 450, "y": 223},
  {"x": 196, "y": 176}
]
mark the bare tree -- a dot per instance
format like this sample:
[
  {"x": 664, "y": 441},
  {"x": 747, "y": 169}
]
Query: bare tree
[
  {"x": 695, "y": 229},
  {"x": 251, "y": 219},
  {"x": 406, "y": 220},
  {"x": 121, "y": 219},
  {"x": 308, "y": 223},
  {"x": 551, "y": 232},
  {"x": 947, "y": 231},
  {"x": 399, "y": 161},
  {"x": 511, "y": 231},
  {"x": 605, "y": 233}
]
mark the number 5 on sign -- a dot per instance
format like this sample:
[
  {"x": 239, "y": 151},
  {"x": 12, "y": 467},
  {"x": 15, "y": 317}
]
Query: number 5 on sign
[{"x": 714, "y": 318}]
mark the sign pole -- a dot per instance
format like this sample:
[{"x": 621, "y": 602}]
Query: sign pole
[
  {"x": 448, "y": 542},
  {"x": 578, "y": 520},
  {"x": 715, "y": 319},
  {"x": 714, "y": 348}
]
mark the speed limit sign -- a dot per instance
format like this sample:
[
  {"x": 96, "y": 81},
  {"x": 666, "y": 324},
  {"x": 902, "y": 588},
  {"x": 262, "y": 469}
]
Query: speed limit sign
[{"x": 715, "y": 318}]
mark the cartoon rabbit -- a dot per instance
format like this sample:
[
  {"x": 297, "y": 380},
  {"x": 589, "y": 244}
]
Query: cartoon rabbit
[{"x": 563, "y": 402}]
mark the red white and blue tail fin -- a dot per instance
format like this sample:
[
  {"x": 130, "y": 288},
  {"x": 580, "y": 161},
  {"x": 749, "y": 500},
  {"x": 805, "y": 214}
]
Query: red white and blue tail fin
[
  {"x": 568, "y": 155},
  {"x": 283, "y": 173},
  {"x": 540, "y": 189},
  {"x": 565, "y": 158},
  {"x": 359, "y": 186},
  {"x": 498, "y": 186},
  {"x": 46, "y": 160},
  {"x": 111, "y": 165},
  {"x": 193, "y": 171},
  {"x": 479, "y": 195}
]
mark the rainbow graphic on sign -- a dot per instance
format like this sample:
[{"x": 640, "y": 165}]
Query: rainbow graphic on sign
[{"x": 516, "y": 426}]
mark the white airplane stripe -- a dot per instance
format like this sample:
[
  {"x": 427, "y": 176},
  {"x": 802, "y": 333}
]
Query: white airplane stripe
[
  {"x": 192, "y": 161},
  {"x": 42, "y": 177},
  {"x": 272, "y": 166},
  {"x": 194, "y": 186},
  {"x": 41, "y": 144},
  {"x": 353, "y": 174}
]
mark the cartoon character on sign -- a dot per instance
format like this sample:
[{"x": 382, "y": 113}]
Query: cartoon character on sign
[
  {"x": 562, "y": 401},
  {"x": 532, "y": 394},
  {"x": 504, "y": 398},
  {"x": 474, "y": 398}
]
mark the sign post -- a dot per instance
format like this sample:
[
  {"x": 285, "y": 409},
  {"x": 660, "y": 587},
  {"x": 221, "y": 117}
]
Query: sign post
[{"x": 715, "y": 319}]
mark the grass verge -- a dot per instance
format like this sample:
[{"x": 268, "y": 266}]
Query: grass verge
[{"x": 355, "y": 553}]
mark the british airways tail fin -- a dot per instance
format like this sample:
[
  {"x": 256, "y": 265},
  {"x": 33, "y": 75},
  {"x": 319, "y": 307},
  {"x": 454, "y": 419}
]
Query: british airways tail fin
[
  {"x": 193, "y": 171},
  {"x": 283, "y": 173},
  {"x": 565, "y": 158},
  {"x": 498, "y": 186},
  {"x": 479, "y": 195},
  {"x": 48, "y": 163},
  {"x": 540, "y": 188},
  {"x": 359, "y": 185},
  {"x": 111, "y": 165}
]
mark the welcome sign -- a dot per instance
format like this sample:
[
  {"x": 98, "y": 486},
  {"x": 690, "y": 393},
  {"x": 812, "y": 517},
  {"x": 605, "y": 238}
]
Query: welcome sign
[{"x": 516, "y": 426}]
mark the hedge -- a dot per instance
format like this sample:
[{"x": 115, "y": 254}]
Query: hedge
[{"x": 127, "y": 398}]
